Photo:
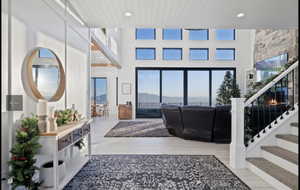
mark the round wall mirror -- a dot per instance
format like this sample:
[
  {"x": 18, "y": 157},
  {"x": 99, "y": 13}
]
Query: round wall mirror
[{"x": 45, "y": 75}]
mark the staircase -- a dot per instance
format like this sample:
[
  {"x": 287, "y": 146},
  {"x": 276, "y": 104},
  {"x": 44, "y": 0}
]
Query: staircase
[
  {"x": 278, "y": 164},
  {"x": 268, "y": 145}
]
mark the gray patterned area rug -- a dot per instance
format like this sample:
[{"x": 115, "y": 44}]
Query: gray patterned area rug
[
  {"x": 155, "y": 172},
  {"x": 149, "y": 128}
]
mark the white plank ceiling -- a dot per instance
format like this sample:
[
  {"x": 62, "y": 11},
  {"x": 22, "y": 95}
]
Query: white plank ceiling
[{"x": 189, "y": 13}]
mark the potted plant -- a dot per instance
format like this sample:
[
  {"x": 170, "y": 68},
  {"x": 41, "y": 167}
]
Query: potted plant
[
  {"x": 22, "y": 162},
  {"x": 63, "y": 117}
]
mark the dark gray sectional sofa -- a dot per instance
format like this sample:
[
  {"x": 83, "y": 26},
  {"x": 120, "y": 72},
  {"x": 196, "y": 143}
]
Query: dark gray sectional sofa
[{"x": 203, "y": 123}]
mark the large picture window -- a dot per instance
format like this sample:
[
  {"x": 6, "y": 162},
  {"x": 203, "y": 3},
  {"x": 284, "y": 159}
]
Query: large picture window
[
  {"x": 176, "y": 86},
  {"x": 171, "y": 94},
  {"x": 148, "y": 92}
]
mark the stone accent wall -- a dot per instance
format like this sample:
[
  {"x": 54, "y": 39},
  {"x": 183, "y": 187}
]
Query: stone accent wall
[{"x": 270, "y": 43}]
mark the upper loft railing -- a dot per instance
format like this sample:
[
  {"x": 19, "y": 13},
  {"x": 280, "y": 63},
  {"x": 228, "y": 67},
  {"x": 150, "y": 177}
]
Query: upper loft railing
[
  {"x": 107, "y": 44},
  {"x": 270, "y": 102}
]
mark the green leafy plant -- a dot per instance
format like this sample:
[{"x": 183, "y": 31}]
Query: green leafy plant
[
  {"x": 23, "y": 152},
  {"x": 228, "y": 89},
  {"x": 63, "y": 116}
]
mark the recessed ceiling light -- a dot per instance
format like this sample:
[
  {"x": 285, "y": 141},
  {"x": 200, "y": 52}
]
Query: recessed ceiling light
[
  {"x": 240, "y": 15},
  {"x": 128, "y": 14}
]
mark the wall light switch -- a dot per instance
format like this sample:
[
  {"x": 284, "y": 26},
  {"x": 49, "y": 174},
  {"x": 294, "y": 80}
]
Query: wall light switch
[{"x": 14, "y": 102}]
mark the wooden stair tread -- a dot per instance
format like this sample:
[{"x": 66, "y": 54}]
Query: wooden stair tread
[
  {"x": 288, "y": 137},
  {"x": 282, "y": 175},
  {"x": 282, "y": 153}
]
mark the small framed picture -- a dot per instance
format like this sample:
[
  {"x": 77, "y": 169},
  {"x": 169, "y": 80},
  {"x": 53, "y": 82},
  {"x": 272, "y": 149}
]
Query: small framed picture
[{"x": 126, "y": 88}]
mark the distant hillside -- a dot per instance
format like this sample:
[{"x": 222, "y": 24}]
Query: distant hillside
[
  {"x": 101, "y": 99},
  {"x": 152, "y": 98}
]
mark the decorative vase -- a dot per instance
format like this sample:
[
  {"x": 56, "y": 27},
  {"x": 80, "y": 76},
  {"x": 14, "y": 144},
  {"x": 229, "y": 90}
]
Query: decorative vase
[
  {"x": 52, "y": 123},
  {"x": 43, "y": 124},
  {"x": 46, "y": 173}
]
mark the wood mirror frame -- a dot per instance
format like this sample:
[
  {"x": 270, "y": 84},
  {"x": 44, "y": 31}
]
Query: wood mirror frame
[{"x": 30, "y": 81}]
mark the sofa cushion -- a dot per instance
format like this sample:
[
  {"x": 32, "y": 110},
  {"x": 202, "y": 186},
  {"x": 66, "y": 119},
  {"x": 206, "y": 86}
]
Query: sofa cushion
[{"x": 198, "y": 122}]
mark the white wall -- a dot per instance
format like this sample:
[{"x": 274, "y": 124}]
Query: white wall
[
  {"x": 243, "y": 46},
  {"x": 34, "y": 24}
]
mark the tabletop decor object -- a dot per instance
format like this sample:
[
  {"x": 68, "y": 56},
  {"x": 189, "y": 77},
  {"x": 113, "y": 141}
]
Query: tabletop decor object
[{"x": 42, "y": 113}]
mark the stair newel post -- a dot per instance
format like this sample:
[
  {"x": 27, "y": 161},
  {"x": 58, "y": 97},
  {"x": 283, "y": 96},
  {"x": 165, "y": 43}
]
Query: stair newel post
[{"x": 237, "y": 147}]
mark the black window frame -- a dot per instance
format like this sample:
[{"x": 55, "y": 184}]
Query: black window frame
[
  {"x": 154, "y": 29},
  {"x": 234, "y": 51},
  {"x": 181, "y": 55},
  {"x": 207, "y": 37},
  {"x": 185, "y": 83},
  {"x": 144, "y": 48},
  {"x": 234, "y": 34},
  {"x": 163, "y": 33},
  {"x": 199, "y": 49}
]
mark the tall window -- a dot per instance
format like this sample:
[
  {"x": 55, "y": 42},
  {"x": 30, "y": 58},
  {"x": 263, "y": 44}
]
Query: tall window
[
  {"x": 172, "y": 53},
  {"x": 145, "y": 34},
  {"x": 172, "y": 94},
  {"x": 198, "y": 53},
  {"x": 198, "y": 87},
  {"x": 217, "y": 80},
  {"x": 148, "y": 93},
  {"x": 225, "y": 34},
  {"x": 172, "y": 34},
  {"x": 225, "y": 54},
  {"x": 145, "y": 53},
  {"x": 198, "y": 34},
  {"x": 98, "y": 91}
]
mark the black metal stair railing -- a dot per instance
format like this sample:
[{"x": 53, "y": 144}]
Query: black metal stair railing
[{"x": 265, "y": 110}]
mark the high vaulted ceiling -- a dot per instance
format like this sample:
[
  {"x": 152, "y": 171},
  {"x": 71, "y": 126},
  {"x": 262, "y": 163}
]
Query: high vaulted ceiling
[{"x": 189, "y": 13}]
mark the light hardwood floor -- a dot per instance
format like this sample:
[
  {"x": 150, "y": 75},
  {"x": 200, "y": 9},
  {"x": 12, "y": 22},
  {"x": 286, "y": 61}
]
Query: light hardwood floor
[{"x": 165, "y": 145}]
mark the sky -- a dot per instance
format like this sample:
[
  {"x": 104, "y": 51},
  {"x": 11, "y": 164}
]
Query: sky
[{"x": 48, "y": 81}]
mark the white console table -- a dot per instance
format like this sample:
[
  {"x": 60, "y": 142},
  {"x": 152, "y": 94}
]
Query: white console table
[{"x": 56, "y": 142}]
